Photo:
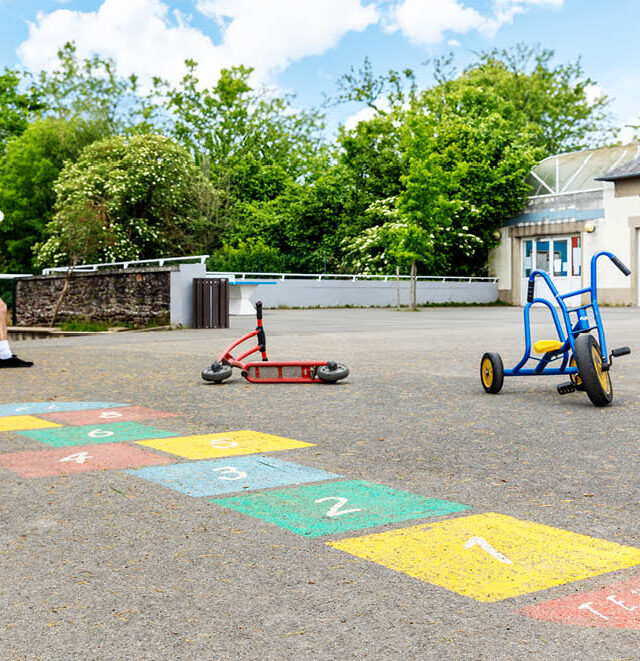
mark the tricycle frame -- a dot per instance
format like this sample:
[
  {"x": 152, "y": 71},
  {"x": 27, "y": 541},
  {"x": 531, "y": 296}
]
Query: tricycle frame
[{"x": 572, "y": 328}]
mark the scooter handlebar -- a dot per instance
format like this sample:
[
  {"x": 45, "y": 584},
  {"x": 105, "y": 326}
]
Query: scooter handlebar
[
  {"x": 625, "y": 269},
  {"x": 259, "y": 309}
]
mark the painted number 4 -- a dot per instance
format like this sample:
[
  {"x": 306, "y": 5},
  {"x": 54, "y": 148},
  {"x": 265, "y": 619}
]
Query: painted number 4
[
  {"x": 484, "y": 544},
  {"x": 336, "y": 509},
  {"x": 78, "y": 457}
]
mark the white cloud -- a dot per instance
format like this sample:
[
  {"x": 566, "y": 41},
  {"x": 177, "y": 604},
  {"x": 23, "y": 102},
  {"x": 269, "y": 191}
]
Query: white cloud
[
  {"x": 143, "y": 37},
  {"x": 366, "y": 114},
  {"x": 270, "y": 35},
  {"x": 426, "y": 25},
  {"x": 140, "y": 35}
]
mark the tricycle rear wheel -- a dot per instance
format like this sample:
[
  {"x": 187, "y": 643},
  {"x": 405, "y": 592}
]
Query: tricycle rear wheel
[
  {"x": 491, "y": 373},
  {"x": 595, "y": 380}
]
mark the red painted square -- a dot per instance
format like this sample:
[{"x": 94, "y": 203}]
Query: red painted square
[
  {"x": 616, "y": 606},
  {"x": 120, "y": 414},
  {"x": 80, "y": 459}
]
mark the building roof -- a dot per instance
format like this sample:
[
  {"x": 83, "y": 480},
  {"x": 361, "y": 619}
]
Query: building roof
[
  {"x": 630, "y": 169},
  {"x": 582, "y": 170}
]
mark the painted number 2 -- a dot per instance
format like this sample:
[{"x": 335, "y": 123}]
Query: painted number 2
[
  {"x": 336, "y": 509},
  {"x": 484, "y": 544}
]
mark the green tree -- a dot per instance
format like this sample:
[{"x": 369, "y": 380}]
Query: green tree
[
  {"x": 31, "y": 165},
  {"x": 549, "y": 100},
  {"x": 248, "y": 142},
  {"x": 91, "y": 89},
  {"x": 154, "y": 199},
  {"x": 16, "y": 106},
  {"x": 466, "y": 174}
]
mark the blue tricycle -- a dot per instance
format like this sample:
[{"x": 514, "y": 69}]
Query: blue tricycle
[{"x": 576, "y": 353}]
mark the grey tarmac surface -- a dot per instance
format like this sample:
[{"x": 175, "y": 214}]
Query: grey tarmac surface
[{"x": 108, "y": 566}]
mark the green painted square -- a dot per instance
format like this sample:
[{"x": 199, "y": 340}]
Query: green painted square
[
  {"x": 327, "y": 509},
  {"x": 88, "y": 434}
]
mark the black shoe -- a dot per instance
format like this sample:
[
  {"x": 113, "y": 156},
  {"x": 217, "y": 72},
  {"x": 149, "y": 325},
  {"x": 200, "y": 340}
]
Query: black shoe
[{"x": 14, "y": 361}]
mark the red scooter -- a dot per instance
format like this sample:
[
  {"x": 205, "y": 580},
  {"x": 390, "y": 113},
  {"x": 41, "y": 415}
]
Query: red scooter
[{"x": 297, "y": 371}]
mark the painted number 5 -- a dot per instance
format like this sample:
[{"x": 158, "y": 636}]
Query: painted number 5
[
  {"x": 335, "y": 509},
  {"x": 223, "y": 443}
]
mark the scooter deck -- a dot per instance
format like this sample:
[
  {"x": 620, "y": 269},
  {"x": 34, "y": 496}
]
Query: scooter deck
[{"x": 282, "y": 372}]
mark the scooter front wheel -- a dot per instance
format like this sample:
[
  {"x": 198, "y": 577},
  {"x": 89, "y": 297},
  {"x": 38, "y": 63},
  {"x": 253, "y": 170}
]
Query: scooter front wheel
[
  {"x": 332, "y": 372},
  {"x": 492, "y": 373},
  {"x": 595, "y": 380}
]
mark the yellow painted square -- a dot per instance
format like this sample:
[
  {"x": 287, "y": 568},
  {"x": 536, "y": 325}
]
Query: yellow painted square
[
  {"x": 24, "y": 422},
  {"x": 227, "y": 444},
  {"x": 490, "y": 557}
]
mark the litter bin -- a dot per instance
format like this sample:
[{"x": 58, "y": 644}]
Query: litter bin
[{"x": 211, "y": 302}]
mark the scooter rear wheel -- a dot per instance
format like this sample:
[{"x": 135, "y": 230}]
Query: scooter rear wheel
[
  {"x": 491, "y": 373},
  {"x": 332, "y": 372},
  {"x": 595, "y": 380}
]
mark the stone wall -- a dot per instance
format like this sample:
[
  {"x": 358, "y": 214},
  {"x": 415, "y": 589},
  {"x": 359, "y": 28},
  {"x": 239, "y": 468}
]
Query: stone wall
[{"x": 137, "y": 296}]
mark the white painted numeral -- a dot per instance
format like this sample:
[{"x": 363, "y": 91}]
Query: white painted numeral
[
  {"x": 110, "y": 414},
  {"x": 335, "y": 509},
  {"x": 99, "y": 433},
  {"x": 230, "y": 470},
  {"x": 223, "y": 444},
  {"x": 589, "y": 606},
  {"x": 484, "y": 544},
  {"x": 78, "y": 457}
]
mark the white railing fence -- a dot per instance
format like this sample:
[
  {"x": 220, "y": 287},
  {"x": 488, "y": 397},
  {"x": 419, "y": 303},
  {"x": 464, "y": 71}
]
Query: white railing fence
[
  {"x": 254, "y": 275},
  {"x": 161, "y": 261}
]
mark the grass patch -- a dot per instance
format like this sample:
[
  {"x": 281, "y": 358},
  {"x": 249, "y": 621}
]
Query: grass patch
[{"x": 85, "y": 325}]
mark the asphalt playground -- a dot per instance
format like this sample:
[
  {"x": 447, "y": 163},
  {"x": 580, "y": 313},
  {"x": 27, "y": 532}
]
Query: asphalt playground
[{"x": 400, "y": 514}]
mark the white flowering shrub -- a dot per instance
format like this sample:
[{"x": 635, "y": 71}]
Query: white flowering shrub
[{"x": 153, "y": 199}]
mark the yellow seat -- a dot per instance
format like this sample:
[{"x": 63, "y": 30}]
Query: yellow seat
[{"x": 542, "y": 346}]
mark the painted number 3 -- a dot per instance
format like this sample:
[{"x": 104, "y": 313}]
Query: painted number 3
[
  {"x": 336, "y": 509},
  {"x": 230, "y": 470}
]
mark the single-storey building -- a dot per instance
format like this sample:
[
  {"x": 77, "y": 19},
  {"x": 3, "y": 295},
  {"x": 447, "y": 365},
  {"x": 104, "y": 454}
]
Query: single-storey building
[{"x": 581, "y": 202}]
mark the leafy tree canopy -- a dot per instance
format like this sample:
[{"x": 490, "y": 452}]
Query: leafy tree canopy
[
  {"x": 152, "y": 197},
  {"x": 28, "y": 172}
]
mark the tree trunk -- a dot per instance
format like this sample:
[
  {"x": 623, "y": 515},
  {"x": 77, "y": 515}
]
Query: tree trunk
[
  {"x": 397, "y": 287},
  {"x": 413, "y": 285},
  {"x": 63, "y": 293}
]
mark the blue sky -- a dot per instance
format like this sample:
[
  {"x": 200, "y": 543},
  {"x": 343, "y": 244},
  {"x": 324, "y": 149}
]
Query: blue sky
[{"x": 303, "y": 46}]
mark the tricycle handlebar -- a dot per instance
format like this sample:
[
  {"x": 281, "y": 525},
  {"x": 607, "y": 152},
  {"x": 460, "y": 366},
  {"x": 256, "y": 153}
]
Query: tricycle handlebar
[{"x": 625, "y": 269}]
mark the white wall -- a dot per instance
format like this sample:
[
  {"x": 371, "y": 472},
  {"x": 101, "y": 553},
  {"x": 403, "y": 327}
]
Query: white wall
[{"x": 328, "y": 293}]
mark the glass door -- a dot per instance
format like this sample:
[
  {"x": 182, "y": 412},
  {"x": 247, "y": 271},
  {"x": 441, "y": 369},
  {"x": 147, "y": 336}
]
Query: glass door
[{"x": 560, "y": 257}]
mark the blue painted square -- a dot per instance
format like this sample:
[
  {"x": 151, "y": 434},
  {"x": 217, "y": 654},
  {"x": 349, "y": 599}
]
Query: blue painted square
[
  {"x": 223, "y": 476},
  {"x": 31, "y": 408}
]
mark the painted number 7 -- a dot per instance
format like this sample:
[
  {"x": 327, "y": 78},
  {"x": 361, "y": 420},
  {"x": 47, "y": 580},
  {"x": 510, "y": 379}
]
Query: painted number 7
[
  {"x": 484, "y": 544},
  {"x": 335, "y": 509}
]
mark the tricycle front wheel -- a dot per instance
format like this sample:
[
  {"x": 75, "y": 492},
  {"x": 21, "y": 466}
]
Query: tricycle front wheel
[
  {"x": 491, "y": 372},
  {"x": 595, "y": 380}
]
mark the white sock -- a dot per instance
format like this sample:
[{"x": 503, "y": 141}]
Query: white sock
[{"x": 5, "y": 351}]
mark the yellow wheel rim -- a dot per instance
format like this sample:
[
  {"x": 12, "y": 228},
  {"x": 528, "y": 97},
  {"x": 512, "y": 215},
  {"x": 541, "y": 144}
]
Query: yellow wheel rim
[
  {"x": 487, "y": 372},
  {"x": 575, "y": 378},
  {"x": 603, "y": 377}
]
